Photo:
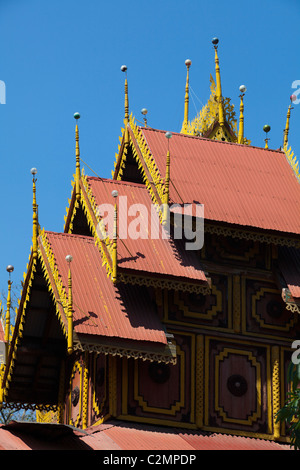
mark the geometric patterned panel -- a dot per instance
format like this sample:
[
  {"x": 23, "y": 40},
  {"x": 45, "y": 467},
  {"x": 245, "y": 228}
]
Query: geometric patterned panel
[
  {"x": 236, "y": 396},
  {"x": 264, "y": 311}
]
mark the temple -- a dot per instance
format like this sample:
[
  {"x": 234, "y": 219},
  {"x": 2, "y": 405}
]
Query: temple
[{"x": 172, "y": 296}]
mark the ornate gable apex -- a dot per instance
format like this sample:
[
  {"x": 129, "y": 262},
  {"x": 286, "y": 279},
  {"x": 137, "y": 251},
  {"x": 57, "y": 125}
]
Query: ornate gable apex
[{"x": 206, "y": 122}]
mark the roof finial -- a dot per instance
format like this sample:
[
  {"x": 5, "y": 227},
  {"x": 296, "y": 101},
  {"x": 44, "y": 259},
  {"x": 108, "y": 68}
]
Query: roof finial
[
  {"x": 126, "y": 120},
  {"x": 69, "y": 259},
  {"x": 115, "y": 237},
  {"x": 9, "y": 269},
  {"x": 215, "y": 42},
  {"x": 241, "y": 127},
  {"x": 77, "y": 153},
  {"x": 167, "y": 183},
  {"x": 188, "y": 63},
  {"x": 287, "y": 125},
  {"x": 144, "y": 112},
  {"x": 35, "y": 215},
  {"x": 267, "y": 129}
]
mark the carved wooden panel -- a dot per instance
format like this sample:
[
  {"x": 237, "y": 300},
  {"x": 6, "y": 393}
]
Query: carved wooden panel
[
  {"x": 99, "y": 387},
  {"x": 199, "y": 309},
  {"x": 235, "y": 251},
  {"x": 238, "y": 393},
  {"x": 264, "y": 311},
  {"x": 75, "y": 395},
  {"x": 164, "y": 391}
]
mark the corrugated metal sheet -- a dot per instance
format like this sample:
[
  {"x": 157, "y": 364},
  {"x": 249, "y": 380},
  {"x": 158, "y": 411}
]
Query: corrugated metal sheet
[
  {"x": 135, "y": 436},
  {"x": 157, "y": 256},
  {"x": 289, "y": 263},
  {"x": 100, "y": 308},
  {"x": 123, "y": 436},
  {"x": 238, "y": 184}
]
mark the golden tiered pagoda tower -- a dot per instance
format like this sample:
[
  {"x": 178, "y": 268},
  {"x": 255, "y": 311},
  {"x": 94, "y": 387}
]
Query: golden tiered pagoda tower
[{"x": 142, "y": 329}]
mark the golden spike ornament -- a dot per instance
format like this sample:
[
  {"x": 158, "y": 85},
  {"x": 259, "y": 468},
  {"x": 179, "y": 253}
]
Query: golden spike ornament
[
  {"x": 115, "y": 237},
  {"x": 188, "y": 63},
  {"x": 77, "y": 153},
  {"x": 287, "y": 125},
  {"x": 9, "y": 269},
  {"x": 215, "y": 42},
  {"x": 69, "y": 259},
  {"x": 167, "y": 183},
  {"x": 126, "y": 105},
  {"x": 241, "y": 121},
  {"x": 35, "y": 215}
]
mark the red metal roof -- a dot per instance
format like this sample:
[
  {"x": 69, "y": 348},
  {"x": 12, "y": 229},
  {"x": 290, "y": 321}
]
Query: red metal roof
[
  {"x": 123, "y": 436},
  {"x": 238, "y": 184},
  {"x": 159, "y": 256},
  {"x": 100, "y": 308},
  {"x": 135, "y": 436}
]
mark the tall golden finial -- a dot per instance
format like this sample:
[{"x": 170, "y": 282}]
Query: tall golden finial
[
  {"x": 144, "y": 112},
  {"x": 77, "y": 153},
  {"x": 35, "y": 215},
  {"x": 115, "y": 237},
  {"x": 167, "y": 183},
  {"x": 287, "y": 125},
  {"x": 126, "y": 105},
  {"x": 188, "y": 63},
  {"x": 215, "y": 42},
  {"x": 69, "y": 259},
  {"x": 267, "y": 129},
  {"x": 241, "y": 126},
  {"x": 9, "y": 269}
]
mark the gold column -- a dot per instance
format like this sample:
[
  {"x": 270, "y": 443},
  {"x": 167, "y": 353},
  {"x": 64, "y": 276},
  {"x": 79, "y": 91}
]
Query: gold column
[{"x": 275, "y": 390}]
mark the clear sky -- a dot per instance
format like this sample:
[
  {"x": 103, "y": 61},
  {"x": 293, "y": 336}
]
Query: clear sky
[{"x": 64, "y": 56}]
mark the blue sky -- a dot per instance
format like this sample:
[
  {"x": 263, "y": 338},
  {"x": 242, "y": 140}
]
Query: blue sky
[{"x": 64, "y": 56}]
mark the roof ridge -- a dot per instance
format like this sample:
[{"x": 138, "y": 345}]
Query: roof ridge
[
  {"x": 198, "y": 137},
  {"x": 112, "y": 181},
  {"x": 69, "y": 235}
]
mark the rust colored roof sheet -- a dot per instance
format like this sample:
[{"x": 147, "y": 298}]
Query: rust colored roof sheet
[
  {"x": 289, "y": 263},
  {"x": 159, "y": 256},
  {"x": 135, "y": 436},
  {"x": 123, "y": 436},
  {"x": 238, "y": 184},
  {"x": 100, "y": 308}
]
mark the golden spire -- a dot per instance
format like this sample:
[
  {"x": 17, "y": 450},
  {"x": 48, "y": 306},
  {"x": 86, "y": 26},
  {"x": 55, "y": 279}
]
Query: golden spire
[
  {"x": 241, "y": 126},
  {"x": 9, "y": 269},
  {"x": 267, "y": 129},
  {"x": 287, "y": 125},
  {"x": 35, "y": 215},
  {"x": 188, "y": 63},
  {"x": 77, "y": 153},
  {"x": 167, "y": 183},
  {"x": 218, "y": 83},
  {"x": 69, "y": 258},
  {"x": 115, "y": 237},
  {"x": 126, "y": 105}
]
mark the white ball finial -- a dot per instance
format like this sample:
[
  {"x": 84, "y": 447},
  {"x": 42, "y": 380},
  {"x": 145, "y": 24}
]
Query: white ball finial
[
  {"x": 33, "y": 171},
  {"x": 188, "y": 62},
  {"x": 124, "y": 68},
  {"x": 114, "y": 193},
  {"x": 69, "y": 258},
  {"x": 242, "y": 88}
]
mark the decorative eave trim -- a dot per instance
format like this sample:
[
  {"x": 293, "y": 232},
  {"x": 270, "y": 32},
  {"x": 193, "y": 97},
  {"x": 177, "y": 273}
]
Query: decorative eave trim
[
  {"x": 167, "y": 355},
  {"x": 19, "y": 326},
  {"x": 254, "y": 235},
  {"x": 164, "y": 283}
]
